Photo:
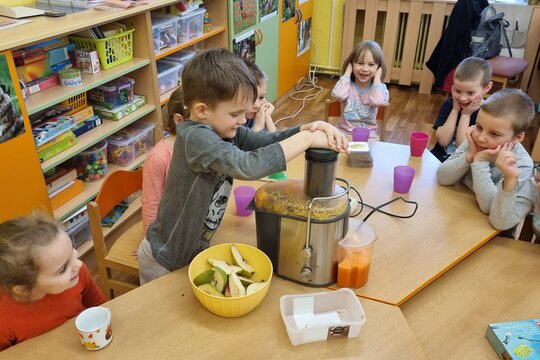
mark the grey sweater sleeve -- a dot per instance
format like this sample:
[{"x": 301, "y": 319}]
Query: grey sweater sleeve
[
  {"x": 483, "y": 186},
  {"x": 455, "y": 167},
  {"x": 509, "y": 208},
  {"x": 207, "y": 152}
]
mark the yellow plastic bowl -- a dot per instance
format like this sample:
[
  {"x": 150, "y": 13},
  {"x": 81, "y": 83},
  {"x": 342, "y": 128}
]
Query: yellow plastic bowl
[{"x": 238, "y": 306}]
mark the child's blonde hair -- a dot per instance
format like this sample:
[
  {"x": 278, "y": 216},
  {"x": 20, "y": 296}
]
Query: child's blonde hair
[
  {"x": 511, "y": 104},
  {"x": 215, "y": 76},
  {"x": 174, "y": 106},
  {"x": 358, "y": 53},
  {"x": 20, "y": 239},
  {"x": 473, "y": 68}
]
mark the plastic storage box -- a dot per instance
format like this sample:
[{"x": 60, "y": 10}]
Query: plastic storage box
[
  {"x": 181, "y": 57},
  {"x": 80, "y": 233},
  {"x": 113, "y": 94},
  {"x": 190, "y": 25},
  {"x": 92, "y": 164},
  {"x": 168, "y": 73},
  {"x": 164, "y": 31},
  {"x": 322, "y": 316},
  {"x": 130, "y": 142}
]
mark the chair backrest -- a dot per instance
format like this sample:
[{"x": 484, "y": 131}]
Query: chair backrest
[
  {"x": 116, "y": 187},
  {"x": 332, "y": 108}
]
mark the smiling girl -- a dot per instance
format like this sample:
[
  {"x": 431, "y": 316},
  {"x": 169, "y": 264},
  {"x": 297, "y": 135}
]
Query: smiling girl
[
  {"x": 360, "y": 88},
  {"x": 42, "y": 282}
]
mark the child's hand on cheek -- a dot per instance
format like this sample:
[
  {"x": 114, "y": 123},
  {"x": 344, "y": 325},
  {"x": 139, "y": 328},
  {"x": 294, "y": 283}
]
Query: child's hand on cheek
[
  {"x": 489, "y": 155},
  {"x": 473, "y": 106},
  {"x": 455, "y": 103},
  {"x": 506, "y": 161},
  {"x": 348, "y": 70},
  {"x": 378, "y": 75},
  {"x": 472, "y": 150}
]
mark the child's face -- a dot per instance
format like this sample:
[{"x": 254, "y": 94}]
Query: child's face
[
  {"x": 226, "y": 117},
  {"x": 364, "y": 69},
  {"x": 491, "y": 132},
  {"x": 261, "y": 99},
  {"x": 59, "y": 267},
  {"x": 467, "y": 91}
]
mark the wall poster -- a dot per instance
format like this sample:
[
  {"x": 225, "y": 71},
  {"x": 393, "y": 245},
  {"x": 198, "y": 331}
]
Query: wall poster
[
  {"x": 267, "y": 9},
  {"x": 244, "y": 46},
  {"x": 244, "y": 14},
  {"x": 11, "y": 119},
  {"x": 288, "y": 10},
  {"x": 304, "y": 36}
]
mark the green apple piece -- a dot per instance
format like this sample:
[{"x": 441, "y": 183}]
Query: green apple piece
[
  {"x": 223, "y": 265},
  {"x": 204, "y": 277},
  {"x": 219, "y": 279},
  {"x": 252, "y": 288},
  {"x": 237, "y": 269},
  {"x": 245, "y": 281},
  {"x": 210, "y": 289},
  {"x": 235, "y": 286},
  {"x": 238, "y": 260}
]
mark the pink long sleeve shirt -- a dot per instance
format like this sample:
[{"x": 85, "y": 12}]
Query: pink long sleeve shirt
[{"x": 359, "y": 106}]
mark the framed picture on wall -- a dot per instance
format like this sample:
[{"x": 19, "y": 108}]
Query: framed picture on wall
[
  {"x": 267, "y": 9},
  {"x": 11, "y": 119},
  {"x": 244, "y": 46},
  {"x": 244, "y": 14},
  {"x": 288, "y": 10},
  {"x": 304, "y": 36}
]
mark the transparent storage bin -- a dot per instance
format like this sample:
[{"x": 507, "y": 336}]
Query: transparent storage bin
[
  {"x": 80, "y": 233},
  {"x": 164, "y": 31},
  {"x": 130, "y": 142},
  {"x": 168, "y": 75},
  {"x": 91, "y": 164},
  {"x": 322, "y": 316},
  {"x": 190, "y": 25}
]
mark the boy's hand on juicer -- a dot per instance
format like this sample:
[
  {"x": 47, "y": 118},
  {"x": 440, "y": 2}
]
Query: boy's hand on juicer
[{"x": 335, "y": 138}]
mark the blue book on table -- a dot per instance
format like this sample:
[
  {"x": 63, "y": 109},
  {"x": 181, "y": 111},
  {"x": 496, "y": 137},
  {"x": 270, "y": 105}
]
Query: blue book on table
[{"x": 515, "y": 340}]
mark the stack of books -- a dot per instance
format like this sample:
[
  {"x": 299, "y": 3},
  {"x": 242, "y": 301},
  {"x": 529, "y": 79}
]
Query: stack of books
[
  {"x": 515, "y": 339},
  {"x": 63, "y": 185},
  {"x": 360, "y": 154}
]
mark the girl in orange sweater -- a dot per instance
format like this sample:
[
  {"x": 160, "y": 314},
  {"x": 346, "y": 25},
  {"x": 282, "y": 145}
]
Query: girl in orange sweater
[{"x": 42, "y": 282}]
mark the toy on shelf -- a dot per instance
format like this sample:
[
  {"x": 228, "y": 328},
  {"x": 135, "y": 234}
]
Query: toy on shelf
[
  {"x": 130, "y": 142},
  {"x": 92, "y": 164}
]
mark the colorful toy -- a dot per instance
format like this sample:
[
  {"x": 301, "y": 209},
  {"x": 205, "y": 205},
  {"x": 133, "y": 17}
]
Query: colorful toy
[
  {"x": 92, "y": 164},
  {"x": 130, "y": 142}
]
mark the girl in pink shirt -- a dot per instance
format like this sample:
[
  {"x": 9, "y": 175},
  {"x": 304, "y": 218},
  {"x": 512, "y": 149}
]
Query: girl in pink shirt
[
  {"x": 156, "y": 165},
  {"x": 360, "y": 88},
  {"x": 42, "y": 282}
]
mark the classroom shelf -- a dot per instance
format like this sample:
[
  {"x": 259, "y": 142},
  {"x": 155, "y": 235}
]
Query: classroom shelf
[
  {"x": 96, "y": 135},
  {"x": 52, "y": 96},
  {"x": 169, "y": 51},
  {"x": 91, "y": 189}
]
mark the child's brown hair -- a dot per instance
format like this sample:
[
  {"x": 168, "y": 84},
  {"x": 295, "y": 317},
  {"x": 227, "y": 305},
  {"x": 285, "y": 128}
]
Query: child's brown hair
[
  {"x": 215, "y": 76},
  {"x": 473, "y": 68},
  {"x": 174, "y": 106},
  {"x": 257, "y": 72},
  {"x": 358, "y": 53},
  {"x": 19, "y": 239},
  {"x": 511, "y": 104}
]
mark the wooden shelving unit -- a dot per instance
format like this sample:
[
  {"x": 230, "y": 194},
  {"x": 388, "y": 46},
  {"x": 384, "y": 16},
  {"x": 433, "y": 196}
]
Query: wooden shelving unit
[{"x": 142, "y": 68}]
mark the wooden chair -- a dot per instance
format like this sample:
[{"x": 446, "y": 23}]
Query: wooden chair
[
  {"x": 332, "y": 108},
  {"x": 116, "y": 187}
]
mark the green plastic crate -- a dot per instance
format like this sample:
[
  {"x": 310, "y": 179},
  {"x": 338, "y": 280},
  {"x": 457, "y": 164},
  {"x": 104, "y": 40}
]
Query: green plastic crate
[{"x": 112, "y": 51}]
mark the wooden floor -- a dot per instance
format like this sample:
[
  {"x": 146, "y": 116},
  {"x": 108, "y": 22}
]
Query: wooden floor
[{"x": 408, "y": 109}]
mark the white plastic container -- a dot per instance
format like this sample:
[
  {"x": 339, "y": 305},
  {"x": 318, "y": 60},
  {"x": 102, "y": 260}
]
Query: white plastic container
[
  {"x": 322, "y": 316},
  {"x": 164, "y": 31},
  {"x": 133, "y": 140},
  {"x": 190, "y": 25},
  {"x": 168, "y": 75},
  {"x": 181, "y": 58}
]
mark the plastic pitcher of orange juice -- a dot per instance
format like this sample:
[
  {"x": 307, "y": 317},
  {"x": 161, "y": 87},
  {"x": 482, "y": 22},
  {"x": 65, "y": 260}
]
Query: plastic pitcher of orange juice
[{"x": 355, "y": 253}]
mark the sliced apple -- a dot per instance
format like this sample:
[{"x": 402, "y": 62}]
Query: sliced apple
[
  {"x": 227, "y": 291},
  {"x": 210, "y": 289},
  {"x": 252, "y": 288},
  {"x": 223, "y": 265},
  {"x": 204, "y": 277},
  {"x": 245, "y": 281},
  {"x": 237, "y": 269},
  {"x": 235, "y": 286},
  {"x": 219, "y": 279},
  {"x": 238, "y": 260}
]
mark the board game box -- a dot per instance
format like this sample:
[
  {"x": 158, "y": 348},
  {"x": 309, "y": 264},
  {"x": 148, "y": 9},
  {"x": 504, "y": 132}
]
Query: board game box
[{"x": 515, "y": 340}]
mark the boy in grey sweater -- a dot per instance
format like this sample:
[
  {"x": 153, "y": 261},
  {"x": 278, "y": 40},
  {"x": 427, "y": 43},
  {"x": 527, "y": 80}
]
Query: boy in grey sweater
[
  {"x": 500, "y": 126},
  {"x": 211, "y": 149}
]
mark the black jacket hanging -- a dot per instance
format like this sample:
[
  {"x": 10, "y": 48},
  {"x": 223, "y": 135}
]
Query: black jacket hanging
[{"x": 454, "y": 44}]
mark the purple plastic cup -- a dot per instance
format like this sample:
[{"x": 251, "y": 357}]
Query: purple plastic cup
[
  {"x": 242, "y": 197},
  {"x": 418, "y": 142},
  {"x": 360, "y": 134},
  {"x": 403, "y": 177}
]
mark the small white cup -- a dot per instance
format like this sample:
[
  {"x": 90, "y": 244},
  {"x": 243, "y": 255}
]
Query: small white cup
[{"x": 94, "y": 327}]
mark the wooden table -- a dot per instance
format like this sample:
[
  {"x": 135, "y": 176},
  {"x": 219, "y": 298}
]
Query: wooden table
[
  {"x": 409, "y": 253},
  {"x": 498, "y": 283},
  {"x": 164, "y": 320}
]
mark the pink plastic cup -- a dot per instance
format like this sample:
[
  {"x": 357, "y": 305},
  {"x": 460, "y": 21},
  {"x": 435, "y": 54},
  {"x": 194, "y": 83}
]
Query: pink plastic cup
[
  {"x": 418, "y": 142},
  {"x": 242, "y": 197},
  {"x": 360, "y": 134},
  {"x": 403, "y": 177}
]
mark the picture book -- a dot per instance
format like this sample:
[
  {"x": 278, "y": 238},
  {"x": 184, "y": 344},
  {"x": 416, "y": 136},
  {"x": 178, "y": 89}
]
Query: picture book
[{"x": 515, "y": 340}]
